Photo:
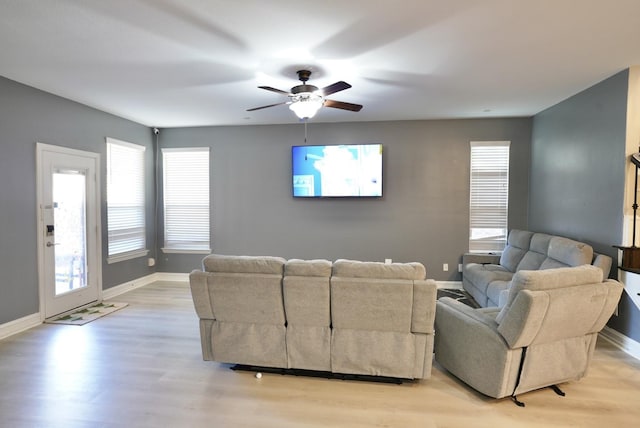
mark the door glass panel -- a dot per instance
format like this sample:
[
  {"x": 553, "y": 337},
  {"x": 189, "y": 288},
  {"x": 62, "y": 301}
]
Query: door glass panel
[{"x": 69, "y": 210}]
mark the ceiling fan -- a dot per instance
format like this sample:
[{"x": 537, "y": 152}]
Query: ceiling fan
[{"x": 305, "y": 100}]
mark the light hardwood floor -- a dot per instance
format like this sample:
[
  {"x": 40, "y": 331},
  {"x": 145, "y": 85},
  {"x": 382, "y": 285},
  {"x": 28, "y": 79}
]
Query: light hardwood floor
[{"x": 141, "y": 367}]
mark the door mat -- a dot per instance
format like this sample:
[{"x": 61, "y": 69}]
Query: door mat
[{"x": 86, "y": 315}]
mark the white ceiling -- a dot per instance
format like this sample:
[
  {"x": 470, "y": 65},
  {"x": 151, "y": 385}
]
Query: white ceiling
[{"x": 174, "y": 63}]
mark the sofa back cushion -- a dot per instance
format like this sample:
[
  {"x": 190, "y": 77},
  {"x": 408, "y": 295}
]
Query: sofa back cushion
[
  {"x": 535, "y": 280},
  {"x": 538, "y": 249},
  {"x": 245, "y": 289},
  {"x": 517, "y": 246},
  {"x": 556, "y": 314},
  {"x": 371, "y": 304},
  {"x": 246, "y": 298},
  {"x": 306, "y": 292},
  {"x": 373, "y": 296},
  {"x": 567, "y": 252},
  {"x": 297, "y": 267},
  {"x": 243, "y": 264},
  {"x": 358, "y": 269}
]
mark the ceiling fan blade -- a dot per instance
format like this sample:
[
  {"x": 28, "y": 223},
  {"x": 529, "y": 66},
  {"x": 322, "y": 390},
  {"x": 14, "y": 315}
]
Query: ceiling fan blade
[
  {"x": 269, "y": 88},
  {"x": 270, "y": 105},
  {"x": 342, "y": 105},
  {"x": 336, "y": 87}
]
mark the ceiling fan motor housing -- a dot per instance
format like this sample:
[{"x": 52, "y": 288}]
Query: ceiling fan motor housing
[{"x": 303, "y": 88}]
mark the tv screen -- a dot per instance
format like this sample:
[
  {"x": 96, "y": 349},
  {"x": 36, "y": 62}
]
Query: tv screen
[{"x": 353, "y": 170}]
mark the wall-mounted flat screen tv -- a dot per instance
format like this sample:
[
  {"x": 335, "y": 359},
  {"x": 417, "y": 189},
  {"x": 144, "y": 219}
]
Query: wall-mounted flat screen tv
[{"x": 337, "y": 171}]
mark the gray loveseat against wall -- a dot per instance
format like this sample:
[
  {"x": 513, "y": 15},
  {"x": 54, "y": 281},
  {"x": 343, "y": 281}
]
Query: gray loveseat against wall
[
  {"x": 488, "y": 283},
  {"x": 348, "y": 317}
]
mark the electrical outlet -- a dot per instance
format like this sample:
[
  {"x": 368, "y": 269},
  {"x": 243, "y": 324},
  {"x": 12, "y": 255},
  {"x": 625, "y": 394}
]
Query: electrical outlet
[
  {"x": 387, "y": 261},
  {"x": 460, "y": 267},
  {"x": 445, "y": 267}
]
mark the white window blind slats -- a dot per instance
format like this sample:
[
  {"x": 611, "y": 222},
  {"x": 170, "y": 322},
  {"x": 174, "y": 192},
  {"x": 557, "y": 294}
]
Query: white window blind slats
[
  {"x": 186, "y": 199},
  {"x": 489, "y": 196},
  {"x": 126, "y": 229}
]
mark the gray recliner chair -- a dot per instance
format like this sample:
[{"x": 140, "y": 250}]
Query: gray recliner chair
[{"x": 544, "y": 335}]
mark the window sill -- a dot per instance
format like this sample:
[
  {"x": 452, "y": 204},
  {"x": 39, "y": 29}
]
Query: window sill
[
  {"x": 186, "y": 251},
  {"x": 126, "y": 256}
]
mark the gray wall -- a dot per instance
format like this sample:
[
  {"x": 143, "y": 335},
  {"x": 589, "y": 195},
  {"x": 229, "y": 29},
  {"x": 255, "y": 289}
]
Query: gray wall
[
  {"x": 28, "y": 116},
  {"x": 578, "y": 175},
  {"x": 423, "y": 215}
]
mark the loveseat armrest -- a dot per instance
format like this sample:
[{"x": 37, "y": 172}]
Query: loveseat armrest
[
  {"x": 424, "y": 306},
  {"x": 604, "y": 262},
  {"x": 200, "y": 294}
]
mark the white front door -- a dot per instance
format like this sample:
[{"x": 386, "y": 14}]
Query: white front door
[{"x": 69, "y": 228}]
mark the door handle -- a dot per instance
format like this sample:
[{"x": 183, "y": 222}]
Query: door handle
[{"x": 51, "y": 244}]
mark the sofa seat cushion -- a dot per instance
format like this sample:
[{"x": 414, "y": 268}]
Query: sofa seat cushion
[
  {"x": 481, "y": 275},
  {"x": 495, "y": 289}
]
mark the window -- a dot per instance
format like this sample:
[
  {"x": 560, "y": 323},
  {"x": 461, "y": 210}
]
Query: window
[
  {"x": 125, "y": 201},
  {"x": 186, "y": 200},
  {"x": 489, "y": 196}
]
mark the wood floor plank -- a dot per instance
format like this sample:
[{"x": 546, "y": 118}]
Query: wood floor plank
[{"x": 141, "y": 367}]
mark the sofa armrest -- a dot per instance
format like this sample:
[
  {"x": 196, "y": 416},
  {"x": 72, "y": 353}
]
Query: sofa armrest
[
  {"x": 604, "y": 262},
  {"x": 466, "y": 312},
  {"x": 468, "y": 344},
  {"x": 504, "y": 296},
  {"x": 522, "y": 322},
  {"x": 424, "y": 306},
  {"x": 200, "y": 294}
]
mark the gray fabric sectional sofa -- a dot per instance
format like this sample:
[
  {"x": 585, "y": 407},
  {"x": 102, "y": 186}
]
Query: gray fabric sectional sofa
[
  {"x": 349, "y": 317},
  {"x": 488, "y": 283}
]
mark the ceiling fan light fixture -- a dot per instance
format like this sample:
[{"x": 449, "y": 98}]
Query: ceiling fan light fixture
[{"x": 306, "y": 104}]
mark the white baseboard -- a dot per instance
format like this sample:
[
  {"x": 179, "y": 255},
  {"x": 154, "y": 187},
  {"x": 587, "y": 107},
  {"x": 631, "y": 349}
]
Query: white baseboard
[
  {"x": 449, "y": 284},
  {"x": 25, "y": 323},
  {"x": 166, "y": 276},
  {"x": 19, "y": 325},
  {"x": 621, "y": 341},
  {"x": 117, "y": 290}
]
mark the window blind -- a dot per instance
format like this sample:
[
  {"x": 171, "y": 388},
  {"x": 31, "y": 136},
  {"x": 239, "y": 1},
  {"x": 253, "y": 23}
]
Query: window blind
[
  {"x": 489, "y": 196},
  {"x": 125, "y": 200},
  {"x": 186, "y": 199}
]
